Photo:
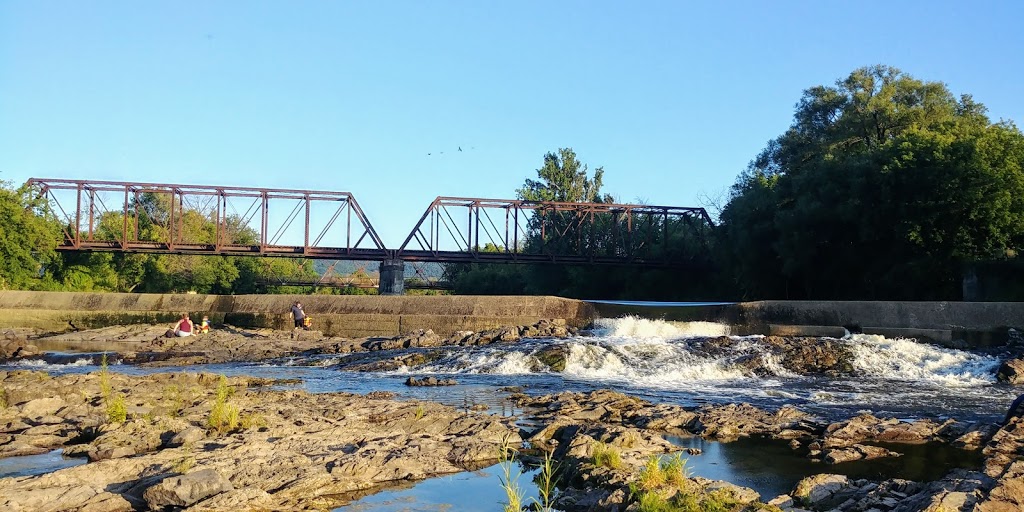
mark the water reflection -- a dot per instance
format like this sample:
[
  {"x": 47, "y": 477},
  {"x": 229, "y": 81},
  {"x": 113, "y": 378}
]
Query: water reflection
[
  {"x": 470, "y": 491},
  {"x": 771, "y": 467}
]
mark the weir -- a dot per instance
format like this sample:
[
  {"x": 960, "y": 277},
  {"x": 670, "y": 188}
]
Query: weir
[{"x": 957, "y": 324}]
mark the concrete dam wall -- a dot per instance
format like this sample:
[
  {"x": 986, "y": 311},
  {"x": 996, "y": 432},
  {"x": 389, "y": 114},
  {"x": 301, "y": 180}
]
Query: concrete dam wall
[
  {"x": 345, "y": 315},
  {"x": 980, "y": 323}
]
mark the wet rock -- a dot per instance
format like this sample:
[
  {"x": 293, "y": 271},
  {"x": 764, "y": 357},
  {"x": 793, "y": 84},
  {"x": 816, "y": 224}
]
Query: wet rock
[
  {"x": 857, "y": 452},
  {"x": 185, "y": 490},
  {"x": 1011, "y": 372},
  {"x": 14, "y": 348},
  {"x": 430, "y": 381},
  {"x": 553, "y": 357}
]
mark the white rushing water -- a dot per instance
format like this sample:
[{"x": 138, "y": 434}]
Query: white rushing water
[{"x": 666, "y": 359}]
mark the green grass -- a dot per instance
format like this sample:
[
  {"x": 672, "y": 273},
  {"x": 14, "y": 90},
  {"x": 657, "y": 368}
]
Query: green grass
[
  {"x": 224, "y": 417},
  {"x": 606, "y": 455},
  {"x": 546, "y": 481},
  {"x": 105, "y": 386}
]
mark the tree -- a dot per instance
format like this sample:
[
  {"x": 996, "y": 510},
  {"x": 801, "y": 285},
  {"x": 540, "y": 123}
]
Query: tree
[
  {"x": 563, "y": 178},
  {"x": 883, "y": 188},
  {"x": 28, "y": 238}
]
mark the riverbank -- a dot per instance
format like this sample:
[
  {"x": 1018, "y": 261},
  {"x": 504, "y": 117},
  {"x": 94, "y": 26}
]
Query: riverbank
[{"x": 203, "y": 442}]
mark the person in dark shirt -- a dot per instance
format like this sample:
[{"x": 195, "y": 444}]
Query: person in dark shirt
[{"x": 298, "y": 315}]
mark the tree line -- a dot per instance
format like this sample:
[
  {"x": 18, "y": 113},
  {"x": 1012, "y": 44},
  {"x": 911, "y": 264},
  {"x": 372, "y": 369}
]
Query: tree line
[{"x": 884, "y": 187}]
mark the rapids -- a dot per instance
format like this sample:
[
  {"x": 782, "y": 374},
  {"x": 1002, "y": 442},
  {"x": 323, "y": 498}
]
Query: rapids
[{"x": 654, "y": 359}]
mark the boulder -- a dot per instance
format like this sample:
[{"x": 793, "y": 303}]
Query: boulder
[
  {"x": 1011, "y": 372},
  {"x": 429, "y": 381},
  {"x": 185, "y": 490},
  {"x": 820, "y": 489}
]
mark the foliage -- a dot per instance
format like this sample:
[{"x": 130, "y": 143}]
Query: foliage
[
  {"x": 606, "y": 455},
  {"x": 883, "y": 188},
  {"x": 509, "y": 481},
  {"x": 546, "y": 481},
  {"x": 224, "y": 417},
  {"x": 27, "y": 239},
  {"x": 563, "y": 178},
  {"x": 117, "y": 409},
  {"x": 105, "y": 386}
]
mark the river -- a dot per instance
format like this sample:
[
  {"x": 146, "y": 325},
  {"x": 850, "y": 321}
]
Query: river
[{"x": 653, "y": 359}]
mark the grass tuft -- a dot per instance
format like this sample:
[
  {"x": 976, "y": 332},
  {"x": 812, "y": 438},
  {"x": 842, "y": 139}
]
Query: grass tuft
[{"x": 606, "y": 455}]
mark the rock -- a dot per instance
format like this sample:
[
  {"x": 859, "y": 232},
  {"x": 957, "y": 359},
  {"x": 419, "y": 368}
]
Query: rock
[
  {"x": 820, "y": 489},
  {"x": 1011, "y": 372},
  {"x": 189, "y": 436},
  {"x": 430, "y": 381},
  {"x": 857, "y": 452},
  {"x": 183, "y": 491},
  {"x": 41, "y": 407},
  {"x": 553, "y": 357}
]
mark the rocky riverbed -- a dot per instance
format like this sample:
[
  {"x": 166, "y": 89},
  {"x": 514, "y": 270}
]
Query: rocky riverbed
[{"x": 184, "y": 441}]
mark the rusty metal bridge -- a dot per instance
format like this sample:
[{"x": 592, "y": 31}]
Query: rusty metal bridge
[{"x": 211, "y": 220}]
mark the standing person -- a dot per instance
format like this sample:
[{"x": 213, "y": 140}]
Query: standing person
[
  {"x": 184, "y": 327},
  {"x": 298, "y": 315}
]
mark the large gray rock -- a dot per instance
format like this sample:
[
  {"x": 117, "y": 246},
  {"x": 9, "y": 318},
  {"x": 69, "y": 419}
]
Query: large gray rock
[
  {"x": 185, "y": 490},
  {"x": 821, "y": 488},
  {"x": 1011, "y": 372}
]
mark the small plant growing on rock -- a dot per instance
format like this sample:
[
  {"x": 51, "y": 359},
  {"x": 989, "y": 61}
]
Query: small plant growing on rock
[
  {"x": 224, "y": 417},
  {"x": 675, "y": 471},
  {"x": 546, "y": 482},
  {"x": 513, "y": 493},
  {"x": 606, "y": 455},
  {"x": 420, "y": 412},
  {"x": 117, "y": 410},
  {"x": 253, "y": 420},
  {"x": 105, "y": 386},
  {"x": 651, "y": 476}
]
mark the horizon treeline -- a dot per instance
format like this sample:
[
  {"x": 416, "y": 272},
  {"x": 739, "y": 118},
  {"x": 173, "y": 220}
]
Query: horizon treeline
[{"x": 885, "y": 187}]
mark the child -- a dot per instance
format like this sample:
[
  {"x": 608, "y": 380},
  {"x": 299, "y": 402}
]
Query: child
[{"x": 205, "y": 326}]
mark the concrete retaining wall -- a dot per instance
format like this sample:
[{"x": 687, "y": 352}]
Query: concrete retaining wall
[
  {"x": 980, "y": 323},
  {"x": 352, "y": 316}
]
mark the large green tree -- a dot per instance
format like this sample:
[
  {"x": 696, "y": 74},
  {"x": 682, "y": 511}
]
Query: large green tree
[
  {"x": 27, "y": 238},
  {"x": 883, "y": 188}
]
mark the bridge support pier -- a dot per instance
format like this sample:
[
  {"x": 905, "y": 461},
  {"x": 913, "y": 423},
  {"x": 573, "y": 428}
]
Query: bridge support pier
[{"x": 392, "y": 277}]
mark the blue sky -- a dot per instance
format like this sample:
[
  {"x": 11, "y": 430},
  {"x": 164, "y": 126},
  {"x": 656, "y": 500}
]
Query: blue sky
[{"x": 672, "y": 98}]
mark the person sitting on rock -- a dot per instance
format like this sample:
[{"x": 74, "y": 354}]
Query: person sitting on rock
[
  {"x": 184, "y": 327},
  {"x": 205, "y": 326}
]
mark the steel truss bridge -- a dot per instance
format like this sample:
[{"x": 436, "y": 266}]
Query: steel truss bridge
[{"x": 210, "y": 220}]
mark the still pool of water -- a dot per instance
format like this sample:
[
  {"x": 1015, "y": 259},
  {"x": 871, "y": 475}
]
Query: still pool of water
[
  {"x": 771, "y": 467},
  {"x": 30, "y": 465},
  {"x": 471, "y": 491}
]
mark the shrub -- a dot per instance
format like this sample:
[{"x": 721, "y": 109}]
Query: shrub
[{"x": 117, "y": 409}]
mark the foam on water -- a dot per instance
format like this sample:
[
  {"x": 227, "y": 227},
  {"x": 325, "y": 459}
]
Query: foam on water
[
  {"x": 902, "y": 359},
  {"x": 644, "y": 328}
]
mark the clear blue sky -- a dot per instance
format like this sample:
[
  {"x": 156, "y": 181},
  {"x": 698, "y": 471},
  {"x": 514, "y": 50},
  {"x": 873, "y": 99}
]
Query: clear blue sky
[{"x": 673, "y": 98}]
